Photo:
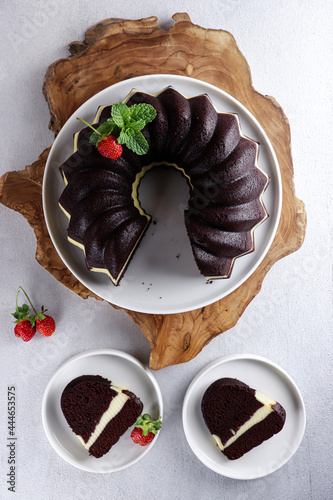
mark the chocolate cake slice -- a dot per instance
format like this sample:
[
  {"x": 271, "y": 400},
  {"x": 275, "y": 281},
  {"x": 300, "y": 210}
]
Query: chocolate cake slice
[
  {"x": 99, "y": 412},
  {"x": 238, "y": 417}
]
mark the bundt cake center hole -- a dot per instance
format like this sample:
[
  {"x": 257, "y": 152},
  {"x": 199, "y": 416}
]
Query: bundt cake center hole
[{"x": 164, "y": 193}]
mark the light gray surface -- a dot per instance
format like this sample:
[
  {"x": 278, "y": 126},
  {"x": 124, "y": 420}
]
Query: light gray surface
[{"x": 288, "y": 45}]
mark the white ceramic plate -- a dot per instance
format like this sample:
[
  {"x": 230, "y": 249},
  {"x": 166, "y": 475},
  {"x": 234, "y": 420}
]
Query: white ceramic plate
[
  {"x": 271, "y": 380},
  {"x": 162, "y": 278},
  {"x": 120, "y": 368}
]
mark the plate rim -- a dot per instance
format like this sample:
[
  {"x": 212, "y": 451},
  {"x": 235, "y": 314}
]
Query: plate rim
[
  {"x": 176, "y": 307},
  {"x": 61, "y": 368},
  {"x": 281, "y": 372}
]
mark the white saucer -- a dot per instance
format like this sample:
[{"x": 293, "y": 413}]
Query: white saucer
[
  {"x": 120, "y": 368},
  {"x": 162, "y": 278},
  {"x": 269, "y": 379}
]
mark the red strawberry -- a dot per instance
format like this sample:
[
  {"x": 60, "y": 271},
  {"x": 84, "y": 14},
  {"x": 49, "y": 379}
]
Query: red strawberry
[
  {"x": 145, "y": 430},
  {"x": 45, "y": 326},
  {"x": 25, "y": 330},
  {"x": 109, "y": 147},
  {"x": 138, "y": 438}
]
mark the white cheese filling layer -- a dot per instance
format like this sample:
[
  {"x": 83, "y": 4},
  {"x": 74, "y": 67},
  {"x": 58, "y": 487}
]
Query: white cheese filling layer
[
  {"x": 257, "y": 417},
  {"x": 116, "y": 405}
]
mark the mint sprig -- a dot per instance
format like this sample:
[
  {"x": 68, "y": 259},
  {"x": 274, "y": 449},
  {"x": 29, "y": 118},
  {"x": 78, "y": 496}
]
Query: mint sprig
[{"x": 125, "y": 124}]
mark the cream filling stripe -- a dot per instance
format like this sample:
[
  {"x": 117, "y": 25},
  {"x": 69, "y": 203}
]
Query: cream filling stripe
[
  {"x": 257, "y": 417},
  {"x": 116, "y": 405}
]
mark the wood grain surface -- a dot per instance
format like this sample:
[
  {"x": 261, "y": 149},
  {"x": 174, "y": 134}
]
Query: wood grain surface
[{"x": 115, "y": 50}]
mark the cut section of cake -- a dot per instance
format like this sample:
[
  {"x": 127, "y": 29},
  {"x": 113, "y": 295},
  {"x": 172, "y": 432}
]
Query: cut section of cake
[
  {"x": 99, "y": 412},
  {"x": 239, "y": 417}
]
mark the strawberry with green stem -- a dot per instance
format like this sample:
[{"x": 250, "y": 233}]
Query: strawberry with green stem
[
  {"x": 26, "y": 325},
  {"x": 145, "y": 429},
  {"x": 122, "y": 128},
  {"x": 106, "y": 144},
  {"x": 24, "y": 330}
]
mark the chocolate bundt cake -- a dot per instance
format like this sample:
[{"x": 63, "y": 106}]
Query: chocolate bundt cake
[
  {"x": 99, "y": 412},
  {"x": 219, "y": 163},
  {"x": 238, "y": 417}
]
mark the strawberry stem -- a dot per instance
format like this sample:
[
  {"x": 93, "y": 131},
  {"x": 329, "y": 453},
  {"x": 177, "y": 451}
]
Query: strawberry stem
[
  {"x": 88, "y": 124},
  {"x": 147, "y": 425},
  {"x": 27, "y": 298}
]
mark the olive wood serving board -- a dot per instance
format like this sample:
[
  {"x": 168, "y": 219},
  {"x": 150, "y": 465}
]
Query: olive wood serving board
[{"x": 114, "y": 50}]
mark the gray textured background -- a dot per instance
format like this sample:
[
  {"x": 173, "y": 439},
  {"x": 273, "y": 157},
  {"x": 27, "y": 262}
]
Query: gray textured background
[{"x": 288, "y": 45}]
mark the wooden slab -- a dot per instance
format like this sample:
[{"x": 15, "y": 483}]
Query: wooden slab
[{"x": 112, "y": 51}]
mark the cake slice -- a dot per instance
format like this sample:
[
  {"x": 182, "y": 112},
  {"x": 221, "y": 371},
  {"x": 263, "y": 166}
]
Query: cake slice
[
  {"x": 99, "y": 412},
  {"x": 238, "y": 417}
]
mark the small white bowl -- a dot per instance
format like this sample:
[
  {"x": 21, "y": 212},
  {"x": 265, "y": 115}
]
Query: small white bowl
[
  {"x": 269, "y": 379},
  {"x": 122, "y": 369}
]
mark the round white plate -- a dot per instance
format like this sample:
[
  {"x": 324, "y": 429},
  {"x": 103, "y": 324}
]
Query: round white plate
[
  {"x": 162, "y": 278},
  {"x": 120, "y": 368},
  {"x": 269, "y": 379}
]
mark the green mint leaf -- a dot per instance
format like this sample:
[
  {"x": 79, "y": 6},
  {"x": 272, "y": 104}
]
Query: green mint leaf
[
  {"x": 136, "y": 142},
  {"x": 120, "y": 113},
  {"x": 142, "y": 111},
  {"x": 93, "y": 139},
  {"x": 106, "y": 128},
  {"x": 137, "y": 125},
  {"x": 123, "y": 136}
]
